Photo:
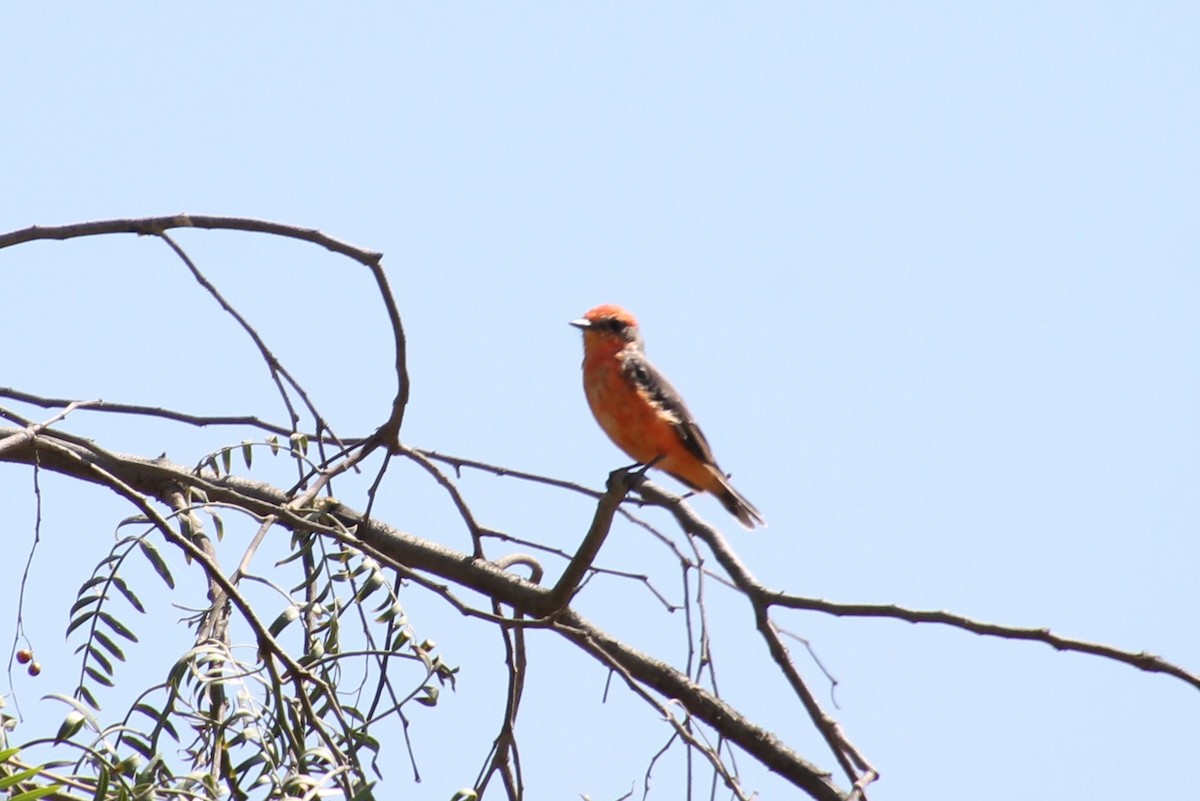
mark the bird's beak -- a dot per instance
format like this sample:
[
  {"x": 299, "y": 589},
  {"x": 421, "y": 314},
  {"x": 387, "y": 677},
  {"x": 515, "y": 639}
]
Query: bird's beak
[{"x": 582, "y": 323}]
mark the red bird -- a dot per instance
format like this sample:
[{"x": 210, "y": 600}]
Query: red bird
[{"x": 643, "y": 414}]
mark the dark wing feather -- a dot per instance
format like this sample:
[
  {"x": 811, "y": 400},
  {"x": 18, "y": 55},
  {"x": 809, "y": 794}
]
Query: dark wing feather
[{"x": 660, "y": 392}]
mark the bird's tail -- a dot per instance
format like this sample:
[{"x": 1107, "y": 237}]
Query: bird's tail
[{"x": 738, "y": 506}]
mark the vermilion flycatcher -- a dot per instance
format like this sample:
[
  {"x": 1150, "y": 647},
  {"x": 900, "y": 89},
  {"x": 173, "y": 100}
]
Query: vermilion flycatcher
[{"x": 643, "y": 414}]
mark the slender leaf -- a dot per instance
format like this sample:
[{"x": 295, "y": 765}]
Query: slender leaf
[
  {"x": 98, "y": 677},
  {"x": 71, "y": 725},
  {"x": 244, "y": 767},
  {"x": 123, "y": 588},
  {"x": 161, "y": 720},
  {"x": 17, "y": 778},
  {"x": 92, "y": 582},
  {"x": 157, "y": 562},
  {"x": 87, "y": 696},
  {"x": 80, "y": 708},
  {"x": 40, "y": 792},
  {"x": 138, "y": 745},
  {"x": 109, "y": 645},
  {"x": 79, "y": 621},
  {"x": 96, "y": 654},
  {"x": 82, "y": 602},
  {"x": 101, "y": 786},
  {"x": 117, "y": 626},
  {"x": 287, "y": 616}
]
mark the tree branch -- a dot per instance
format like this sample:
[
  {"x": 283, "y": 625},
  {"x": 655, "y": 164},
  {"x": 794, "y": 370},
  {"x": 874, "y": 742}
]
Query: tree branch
[
  {"x": 158, "y": 477},
  {"x": 1140, "y": 660},
  {"x": 155, "y": 226}
]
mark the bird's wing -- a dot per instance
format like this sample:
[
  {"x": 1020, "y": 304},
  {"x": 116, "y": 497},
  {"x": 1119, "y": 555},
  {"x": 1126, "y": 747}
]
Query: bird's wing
[{"x": 662, "y": 395}]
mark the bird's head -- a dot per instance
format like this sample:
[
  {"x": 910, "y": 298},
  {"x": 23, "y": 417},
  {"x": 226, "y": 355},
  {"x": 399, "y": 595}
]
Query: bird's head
[{"x": 608, "y": 323}]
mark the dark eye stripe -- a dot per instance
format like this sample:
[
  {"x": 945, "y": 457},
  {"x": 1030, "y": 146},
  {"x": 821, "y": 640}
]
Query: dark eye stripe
[{"x": 612, "y": 324}]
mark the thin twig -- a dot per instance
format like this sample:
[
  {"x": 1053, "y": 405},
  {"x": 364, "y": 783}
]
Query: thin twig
[
  {"x": 847, "y": 754},
  {"x": 1140, "y": 660},
  {"x": 197, "y": 420}
]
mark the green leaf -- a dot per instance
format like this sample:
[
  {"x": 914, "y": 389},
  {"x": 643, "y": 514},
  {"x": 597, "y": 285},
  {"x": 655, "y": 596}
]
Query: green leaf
[
  {"x": 17, "y": 778},
  {"x": 373, "y": 583},
  {"x": 100, "y": 659},
  {"x": 8, "y": 753},
  {"x": 82, "y": 602},
  {"x": 109, "y": 645},
  {"x": 101, "y": 786},
  {"x": 430, "y": 698},
  {"x": 123, "y": 588},
  {"x": 363, "y": 740},
  {"x": 79, "y": 621},
  {"x": 227, "y": 459},
  {"x": 247, "y": 452},
  {"x": 244, "y": 767},
  {"x": 117, "y": 626},
  {"x": 177, "y": 673},
  {"x": 99, "y": 677},
  {"x": 157, "y": 562},
  {"x": 76, "y": 705},
  {"x": 161, "y": 720},
  {"x": 326, "y": 591},
  {"x": 298, "y": 553},
  {"x": 287, "y": 616},
  {"x": 71, "y": 725},
  {"x": 92, "y": 582},
  {"x": 393, "y": 611},
  {"x": 86, "y": 695},
  {"x": 273, "y": 442},
  {"x": 365, "y": 793},
  {"x": 141, "y": 747},
  {"x": 40, "y": 792},
  {"x": 149, "y": 712},
  {"x": 218, "y": 526}
]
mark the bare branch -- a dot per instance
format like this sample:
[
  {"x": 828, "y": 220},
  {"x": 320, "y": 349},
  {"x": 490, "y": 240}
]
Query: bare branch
[
  {"x": 274, "y": 366},
  {"x": 1140, "y": 660},
  {"x": 568, "y": 582},
  {"x": 156, "y": 226},
  {"x": 32, "y": 429},
  {"x": 147, "y": 411}
]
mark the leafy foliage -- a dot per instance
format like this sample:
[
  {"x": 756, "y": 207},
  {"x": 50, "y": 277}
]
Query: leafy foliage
[{"x": 261, "y": 720}]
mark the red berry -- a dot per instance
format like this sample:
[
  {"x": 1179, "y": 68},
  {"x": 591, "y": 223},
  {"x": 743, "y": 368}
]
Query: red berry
[
  {"x": 35, "y": 668},
  {"x": 24, "y": 656}
]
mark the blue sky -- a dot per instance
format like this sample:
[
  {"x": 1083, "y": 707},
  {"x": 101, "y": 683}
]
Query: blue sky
[{"x": 926, "y": 273}]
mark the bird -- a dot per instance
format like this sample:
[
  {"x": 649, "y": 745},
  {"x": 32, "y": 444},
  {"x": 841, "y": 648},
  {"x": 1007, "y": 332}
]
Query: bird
[{"x": 643, "y": 414}]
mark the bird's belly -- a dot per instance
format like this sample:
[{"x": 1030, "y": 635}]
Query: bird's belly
[{"x": 631, "y": 422}]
